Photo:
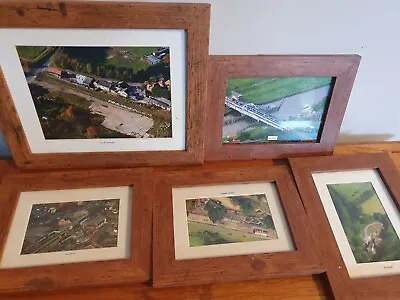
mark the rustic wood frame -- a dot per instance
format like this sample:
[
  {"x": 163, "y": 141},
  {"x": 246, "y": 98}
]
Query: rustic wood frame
[
  {"x": 193, "y": 18},
  {"x": 123, "y": 271},
  {"x": 342, "y": 67},
  {"x": 343, "y": 287},
  {"x": 170, "y": 272}
]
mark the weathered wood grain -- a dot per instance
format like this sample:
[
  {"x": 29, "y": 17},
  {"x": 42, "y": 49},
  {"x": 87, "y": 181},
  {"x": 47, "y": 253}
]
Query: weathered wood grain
[
  {"x": 377, "y": 287},
  {"x": 170, "y": 272},
  {"x": 137, "y": 268},
  {"x": 342, "y": 67},
  {"x": 193, "y": 18}
]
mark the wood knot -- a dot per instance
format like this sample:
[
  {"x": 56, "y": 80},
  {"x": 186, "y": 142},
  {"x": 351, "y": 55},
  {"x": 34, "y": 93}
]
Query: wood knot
[
  {"x": 258, "y": 265},
  {"x": 63, "y": 8},
  {"x": 20, "y": 11}
]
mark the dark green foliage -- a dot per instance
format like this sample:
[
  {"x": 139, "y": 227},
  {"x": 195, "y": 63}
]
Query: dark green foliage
[
  {"x": 216, "y": 211},
  {"x": 268, "y": 222},
  {"x": 211, "y": 238},
  {"x": 96, "y": 61},
  {"x": 354, "y": 222},
  {"x": 159, "y": 91}
]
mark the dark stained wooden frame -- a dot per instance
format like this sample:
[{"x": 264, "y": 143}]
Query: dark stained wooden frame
[
  {"x": 193, "y": 18},
  {"x": 123, "y": 271},
  {"x": 343, "y": 287},
  {"x": 170, "y": 272},
  {"x": 342, "y": 67}
]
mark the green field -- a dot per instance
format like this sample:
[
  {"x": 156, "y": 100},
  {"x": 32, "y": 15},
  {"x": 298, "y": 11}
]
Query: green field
[
  {"x": 197, "y": 237},
  {"x": 267, "y": 90},
  {"x": 372, "y": 205},
  {"x": 361, "y": 214},
  {"x": 30, "y": 52},
  {"x": 362, "y": 194},
  {"x": 130, "y": 57}
]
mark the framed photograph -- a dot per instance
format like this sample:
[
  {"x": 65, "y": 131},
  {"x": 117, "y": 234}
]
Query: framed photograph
[
  {"x": 221, "y": 226},
  {"x": 76, "y": 228},
  {"x": 266, "y": 106},
  {"x": 354, "y": 201},
  {"x": 127, "y": 92}
]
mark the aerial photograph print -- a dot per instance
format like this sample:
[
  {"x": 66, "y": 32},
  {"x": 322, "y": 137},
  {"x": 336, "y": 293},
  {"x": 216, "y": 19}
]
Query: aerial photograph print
[
  {"x": 99, "y": 92},
  {"x": 275, "y": 109},
  {"x": 229, "y": 219},
  {"x": 366, "y": 224},
  {"x": 70, "y": 226}
]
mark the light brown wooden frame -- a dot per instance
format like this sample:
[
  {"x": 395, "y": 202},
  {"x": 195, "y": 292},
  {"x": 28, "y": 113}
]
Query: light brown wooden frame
[
  {"x": 343, "y": 287},
  {"x": 135, "y": 269},
  {"x": 170, "y": 272},
  {"x": 193, "y": 18},
  {"x": 342, "y": 67}
]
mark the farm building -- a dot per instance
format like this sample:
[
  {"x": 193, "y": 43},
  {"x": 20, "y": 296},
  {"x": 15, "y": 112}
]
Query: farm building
[
  {"x": 152, "y": 59},
  {"x": 95, "y": 223},
  {"x": 84, "y": 80},
  {"x": 104, "y": 85},
  {"x": 57, "y": 72}
]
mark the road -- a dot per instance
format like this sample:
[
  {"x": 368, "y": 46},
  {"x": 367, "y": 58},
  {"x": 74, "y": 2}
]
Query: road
[
  {"x": 252, "y": 111},
  {"x": 117, "y": 118}
]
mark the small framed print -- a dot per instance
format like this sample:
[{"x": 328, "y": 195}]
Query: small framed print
[
  {"x": 79, "y": 228},
  {"x": 276, "y": 106},
  {"x": 355, "y": 208},
  {"x": 227, "y": 220},
  {"x": 226, "y": 225},
  {"x": 126, "y": 93}
]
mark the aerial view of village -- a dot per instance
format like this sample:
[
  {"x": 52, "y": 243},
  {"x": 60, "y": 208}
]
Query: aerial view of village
[
  {"x": 230, "y": 219},
  {"x": 69, "y": 226},
  {"x": 100, "y": 92},
  {"x": 279, "y": 109},
  {"x": 368, "y": 229}
]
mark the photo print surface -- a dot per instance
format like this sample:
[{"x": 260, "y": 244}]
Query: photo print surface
[
  {"x": 368, "y": 228},
  {"x": 230, "y": 219},
  {"x": 99, "y": 92},
  {"x": 275, "y": 109},
  {"x": 69, "y": 226},
  {"x": 364, "y": 219}
]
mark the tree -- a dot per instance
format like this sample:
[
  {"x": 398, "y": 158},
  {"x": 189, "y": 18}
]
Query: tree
[
  {"x": 110, "y": 73},
  {"x": 89, "y": 68},
  {"x": 268, "y": 222},
  {"x": 216, "y": 211}
]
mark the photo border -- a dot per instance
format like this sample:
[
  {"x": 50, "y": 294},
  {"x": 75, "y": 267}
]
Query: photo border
[
  {"x": 18, "y": 87},
  {"x": 193, "y": 18},
  {"x": 135, "y": 269},
  {"x": 19, "y": 227},
  {"x": 358, "y": 270},
  {"x": 220, "y": 67},
  {"x": 168, "y": 271},
  {"x": 181, "y": 234},
  {"x": 342, "y": 285}
]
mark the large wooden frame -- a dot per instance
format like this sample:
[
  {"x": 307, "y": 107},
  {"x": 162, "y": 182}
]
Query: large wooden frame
[
  {"x": 342, "y": 67},
  {"x": 170, "y": 272},
  {"x": 384, "y": 287},
  {"x": 193, "y": 18},
  {"x": 135, "y": 269}
]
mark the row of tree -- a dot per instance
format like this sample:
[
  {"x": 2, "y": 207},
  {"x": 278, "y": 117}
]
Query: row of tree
[{"x": 354, "y": 221}]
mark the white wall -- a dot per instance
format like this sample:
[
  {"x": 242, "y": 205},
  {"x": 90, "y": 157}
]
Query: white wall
[{"x": 366, "y": 27}]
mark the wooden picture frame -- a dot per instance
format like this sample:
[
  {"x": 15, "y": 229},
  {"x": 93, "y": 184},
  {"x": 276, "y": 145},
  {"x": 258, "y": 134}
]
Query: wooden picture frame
[
  {"x": 343, "y": 286},
  {"x": 342, "y": 68},
  {"x": 168, "y": 271},
  {"x": 137, "y": 268},
  {"x": 193, "y": 19}
]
